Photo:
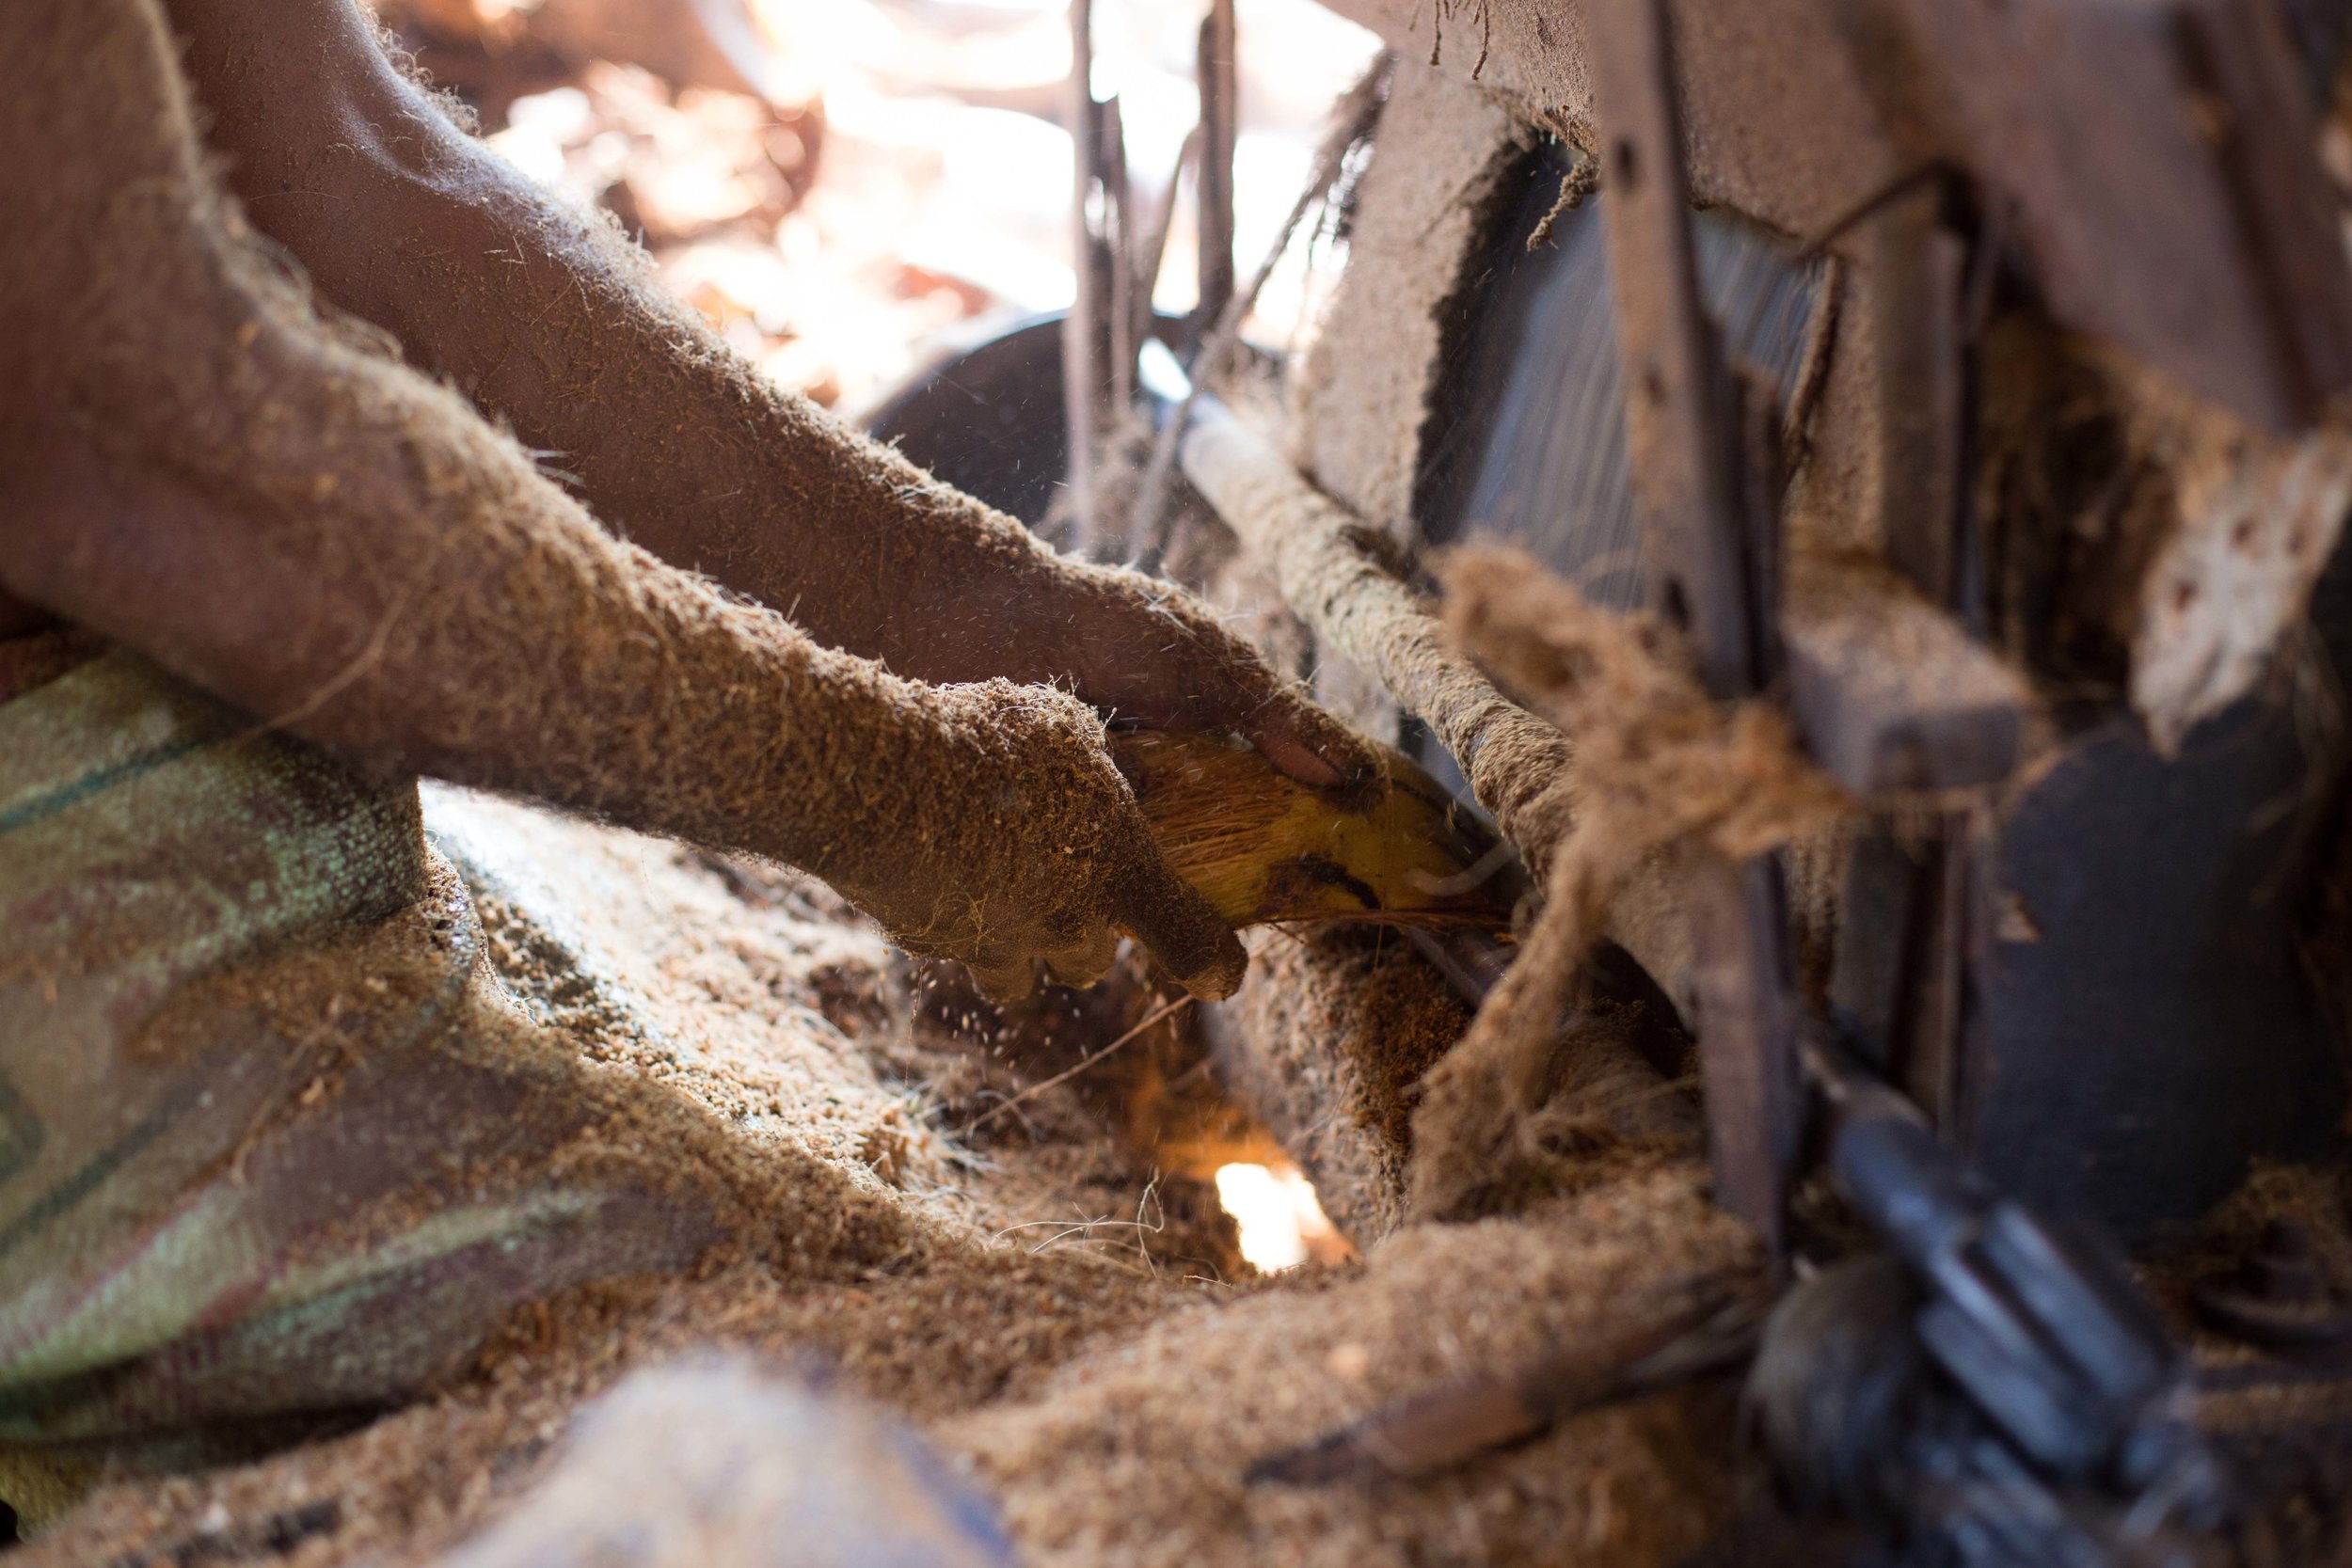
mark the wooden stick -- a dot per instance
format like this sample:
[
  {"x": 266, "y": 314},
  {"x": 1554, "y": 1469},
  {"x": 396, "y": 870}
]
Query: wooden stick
[
  {"x": 1352, "y": 119},
  {"x": 1220, "y": 103},
  {"x": 1116, "y": 250},
  {"x": 1690, "y": 1330},
  {"x": 1708, "y": 538},
  {"x": 1152, "y": 247},
  {"x": 1079, "y": 347}
]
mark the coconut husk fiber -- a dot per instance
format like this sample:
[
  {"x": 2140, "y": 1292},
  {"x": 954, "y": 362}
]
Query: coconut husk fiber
[
  {"x": 1331, "y": 1037},
  {"x": 2143, "y": 538},
  {"x": 1128, "y": 1457},
  {"x": 1661, "y": 769},
  {"x": 1029, "y": 1308},
  {"x": 1346, "y": 584},
  {"x": 1361, "y": 402},
  {"x": 1326, "y": 1044}
]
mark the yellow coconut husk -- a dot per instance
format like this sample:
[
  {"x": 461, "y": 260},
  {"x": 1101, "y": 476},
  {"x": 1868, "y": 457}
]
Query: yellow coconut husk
[{"x": 1266, "y": 849}]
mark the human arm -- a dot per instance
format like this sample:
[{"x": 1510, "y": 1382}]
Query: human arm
[
  {"x": 543, "y": 317},
  {"x": 194, "y": 464}
]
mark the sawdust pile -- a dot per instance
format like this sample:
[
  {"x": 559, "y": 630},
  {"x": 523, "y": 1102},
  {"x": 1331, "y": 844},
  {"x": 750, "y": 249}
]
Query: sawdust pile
[
  {"x": 1032, "y": 1304},
  {"x": 1136, "y": 1453}
]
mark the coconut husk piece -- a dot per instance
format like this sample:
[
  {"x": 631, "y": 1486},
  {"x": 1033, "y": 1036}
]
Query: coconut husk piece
[{"x": 1267, "y": 849}]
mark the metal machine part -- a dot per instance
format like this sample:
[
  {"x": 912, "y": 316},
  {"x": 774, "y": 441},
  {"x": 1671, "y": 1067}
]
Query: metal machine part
[
  {"x": 1532, "y": 448},
  {"x": 986, "y": 417},
  {"x": 1857, "y": 1414},
  {"x": 1992, "y": 1379},
  {"x": 2129, "y": 1029}
]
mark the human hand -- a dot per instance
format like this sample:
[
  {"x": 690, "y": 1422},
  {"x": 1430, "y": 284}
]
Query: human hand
[
  {"x": 1143, "y": 650},
  {"x": 1006, "y": 837}
]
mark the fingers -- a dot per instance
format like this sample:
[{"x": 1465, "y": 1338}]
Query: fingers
[
  {"x": 1310, "y": 744},
  {"x": 1003, "y": 981},
  {"x": 1191, "y": 940},
  {"x": 1229, "y": 684},
  {"x": 1085, "y": 963},
  {"x": 1146, "y": 650},
  {"x": 1007, "y": 980}
]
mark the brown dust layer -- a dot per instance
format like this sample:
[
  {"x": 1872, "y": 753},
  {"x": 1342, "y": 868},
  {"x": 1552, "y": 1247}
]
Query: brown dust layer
[{"x": 1018, "y": 1295}]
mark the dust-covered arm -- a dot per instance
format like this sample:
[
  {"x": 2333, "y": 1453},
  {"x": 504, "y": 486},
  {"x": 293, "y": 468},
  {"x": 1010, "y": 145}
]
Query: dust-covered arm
[
  {"x": 193, "y": 463},
  {"x": 543, "y": 317}
]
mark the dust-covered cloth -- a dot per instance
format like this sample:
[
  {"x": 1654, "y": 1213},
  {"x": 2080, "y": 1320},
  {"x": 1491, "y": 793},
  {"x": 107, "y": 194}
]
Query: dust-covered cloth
[{"x": 272, "y": 1141}]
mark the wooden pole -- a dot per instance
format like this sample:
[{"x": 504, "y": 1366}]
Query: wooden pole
[
  {"x": 1711, "y": 560},
  {"x": 1220, "y": 95},
  {"x": 1081, "y": 350}
]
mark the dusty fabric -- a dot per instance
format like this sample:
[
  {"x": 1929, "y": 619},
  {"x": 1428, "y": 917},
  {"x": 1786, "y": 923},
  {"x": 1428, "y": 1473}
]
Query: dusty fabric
[
  {"x": 1113, "y": 1455},
  {"x": 1034, "y": 1307},
  {"x": 39, "y": 657},
  {"x": 739, "y": 1021},
  {"x": 1659, "y": 765},
  {"x": 939, "y": 1283},
  {"x": 713, "y": 1462},
  {"x": 273, "y": 1142}
]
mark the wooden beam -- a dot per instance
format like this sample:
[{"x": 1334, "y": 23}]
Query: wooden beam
[
  {"x": 1685, "y": 438},
  {"x": 1889, "y": 691},
  {"x": 2159, "y": 159}
]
